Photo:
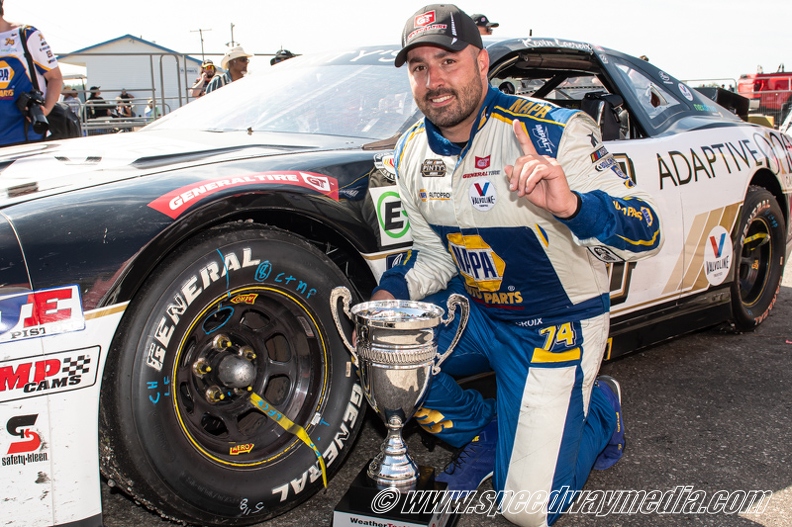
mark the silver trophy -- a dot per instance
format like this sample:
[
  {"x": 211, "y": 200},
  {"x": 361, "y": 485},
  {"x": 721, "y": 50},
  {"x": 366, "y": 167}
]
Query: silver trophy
[{"x": 396, "y": 355}]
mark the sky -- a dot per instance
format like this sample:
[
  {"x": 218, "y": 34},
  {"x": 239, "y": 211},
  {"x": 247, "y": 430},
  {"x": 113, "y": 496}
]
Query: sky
[{"x": 691, "y": 39}]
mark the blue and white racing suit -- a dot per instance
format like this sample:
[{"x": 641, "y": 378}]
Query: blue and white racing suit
[{"x": 538, "y": 288}]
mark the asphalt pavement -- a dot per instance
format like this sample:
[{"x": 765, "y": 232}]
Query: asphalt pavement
[{"x": 708, "y": 419}]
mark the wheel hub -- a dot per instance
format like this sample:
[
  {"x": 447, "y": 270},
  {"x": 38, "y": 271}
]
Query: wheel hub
[{"x": 235, "y": 371}]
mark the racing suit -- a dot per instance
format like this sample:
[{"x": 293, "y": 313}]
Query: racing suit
[
  {"x": 538, "y": 289},
  {"x": 15, "y": 80}
]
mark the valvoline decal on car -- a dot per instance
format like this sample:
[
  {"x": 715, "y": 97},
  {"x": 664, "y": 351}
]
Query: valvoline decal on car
[{"x": 176, "y": 202}]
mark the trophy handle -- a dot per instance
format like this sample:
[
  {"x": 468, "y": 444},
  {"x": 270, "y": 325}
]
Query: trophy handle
[
  {"x": 464, "y": 311},
  {"x": 344, "y": 294}
]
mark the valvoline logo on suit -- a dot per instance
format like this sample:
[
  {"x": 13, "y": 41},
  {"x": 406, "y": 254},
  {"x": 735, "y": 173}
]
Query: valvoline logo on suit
[{"x": 482, "y": 195}]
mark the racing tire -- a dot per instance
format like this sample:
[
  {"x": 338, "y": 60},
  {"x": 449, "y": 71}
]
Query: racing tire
[
  {"x": 759, "y": 259},
  {"x": 236, "y": 309}
]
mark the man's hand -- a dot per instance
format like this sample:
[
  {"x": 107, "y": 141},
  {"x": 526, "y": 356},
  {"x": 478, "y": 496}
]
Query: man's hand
[
  {"x": 379, "y": 295},
  {"x": 540, "y": 178},
  {"x": 382, "y": 295}
]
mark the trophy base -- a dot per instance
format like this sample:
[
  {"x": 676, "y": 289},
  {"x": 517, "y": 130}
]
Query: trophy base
[{"x": 355, "y": 507}]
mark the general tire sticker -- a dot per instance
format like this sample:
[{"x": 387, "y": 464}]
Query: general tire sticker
[{"x": 176, "y": 202}]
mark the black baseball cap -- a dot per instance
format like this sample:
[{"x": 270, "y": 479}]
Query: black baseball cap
[
  {"x": 483, "y": 21},
  {"x": 443, "y": 25}
]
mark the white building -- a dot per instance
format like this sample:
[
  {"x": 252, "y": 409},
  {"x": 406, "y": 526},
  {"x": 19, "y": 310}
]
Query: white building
[{"x": 144, "y": 69}]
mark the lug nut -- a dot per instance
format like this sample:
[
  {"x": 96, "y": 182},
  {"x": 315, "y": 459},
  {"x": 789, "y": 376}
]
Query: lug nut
[
  {"x": 214, "y": 394},
  {"x": 247, "y": 352},
  {"x": 201, "y": 367},
  {"x": 221, "y": 342}
]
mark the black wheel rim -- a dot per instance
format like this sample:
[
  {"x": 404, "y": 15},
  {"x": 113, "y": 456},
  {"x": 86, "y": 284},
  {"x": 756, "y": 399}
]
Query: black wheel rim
[
  {"x": 755, "y": 261},
  {"x": 252, "y": 339}
]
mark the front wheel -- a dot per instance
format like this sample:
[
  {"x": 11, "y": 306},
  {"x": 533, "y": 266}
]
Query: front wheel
[
  {"x": 239, "y": 309},
  {"x": 759, "y": 257}
]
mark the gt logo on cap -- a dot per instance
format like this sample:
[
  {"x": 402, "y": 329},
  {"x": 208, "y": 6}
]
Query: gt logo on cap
[{"x": 425, "y": 19}]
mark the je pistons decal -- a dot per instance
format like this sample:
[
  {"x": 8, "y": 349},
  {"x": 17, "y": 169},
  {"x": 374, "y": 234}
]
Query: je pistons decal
[
  {"x": 40, "y": 313},
  {"x": 477, "y": 262},
  {"x": 717, "y": 255},
  {"x": 176, "y": 202},
  {"x": 482, "y": 195},
  {"x": 433, "y": 168}
]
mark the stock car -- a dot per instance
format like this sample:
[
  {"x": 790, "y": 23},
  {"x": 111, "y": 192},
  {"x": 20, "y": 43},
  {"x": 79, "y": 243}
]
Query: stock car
[{"x": 152, "y": 282}]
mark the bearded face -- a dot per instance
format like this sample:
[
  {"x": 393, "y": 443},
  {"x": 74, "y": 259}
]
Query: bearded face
[{"x": 447, "y": 87}]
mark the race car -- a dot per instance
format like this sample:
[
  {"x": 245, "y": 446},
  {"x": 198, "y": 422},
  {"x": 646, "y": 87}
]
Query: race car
[{"x": 164, "y": 307}]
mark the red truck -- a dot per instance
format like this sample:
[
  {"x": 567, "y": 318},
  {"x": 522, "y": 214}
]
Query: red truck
[{"x": 769, "y": 93}]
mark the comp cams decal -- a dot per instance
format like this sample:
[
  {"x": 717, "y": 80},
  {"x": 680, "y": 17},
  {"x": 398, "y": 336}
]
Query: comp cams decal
[
  {"x": 175, "y": 203},
  {"x": 40, "y": 313},
  {"x": 717, "y": 255},
  {"x": 48, "y": 374}
]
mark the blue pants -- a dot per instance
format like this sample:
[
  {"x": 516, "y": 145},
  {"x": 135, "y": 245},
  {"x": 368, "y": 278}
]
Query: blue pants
[{"x": 552, "y": 421}]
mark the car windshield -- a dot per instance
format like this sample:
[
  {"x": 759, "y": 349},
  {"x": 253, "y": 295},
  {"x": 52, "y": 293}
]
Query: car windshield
[{"x": 369, "y": 99}]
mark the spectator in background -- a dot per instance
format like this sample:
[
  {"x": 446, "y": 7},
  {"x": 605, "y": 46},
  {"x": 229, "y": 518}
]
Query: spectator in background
[
  {"x": 280, "y": 56},
  {"x": 235, "y": 62},
  {"x": 207, "y": 73},
  {"x": 71, "y": 99},
  {"x": 17, "y": 79},
  {"x": 96, "y": 106},
  {"x": 123, "y": 109},
  {"x": 126, "y": 96},
  {"x": 152, "y": 112},
  {"x": 483, "y": 24}
]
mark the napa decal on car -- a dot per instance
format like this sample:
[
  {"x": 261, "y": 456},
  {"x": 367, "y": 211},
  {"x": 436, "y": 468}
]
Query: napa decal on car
[
  {"x": 40, "y": 313},
  {"x": 176, "y": 202}
]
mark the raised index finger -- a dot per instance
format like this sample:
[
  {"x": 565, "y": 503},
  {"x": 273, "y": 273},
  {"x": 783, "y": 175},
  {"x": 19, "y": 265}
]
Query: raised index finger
[{"x": 522, "y": 138}]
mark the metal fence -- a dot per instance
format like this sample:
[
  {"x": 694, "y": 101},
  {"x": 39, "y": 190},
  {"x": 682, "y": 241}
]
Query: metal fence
[{"x": 768, "y": 107}]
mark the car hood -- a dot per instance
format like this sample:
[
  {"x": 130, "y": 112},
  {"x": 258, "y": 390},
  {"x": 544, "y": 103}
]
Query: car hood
[{"x": 32, "y": 170}]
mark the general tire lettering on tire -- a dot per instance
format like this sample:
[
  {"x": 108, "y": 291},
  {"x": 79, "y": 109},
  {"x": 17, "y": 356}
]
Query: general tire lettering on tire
[{"x": 235, "y": 309}]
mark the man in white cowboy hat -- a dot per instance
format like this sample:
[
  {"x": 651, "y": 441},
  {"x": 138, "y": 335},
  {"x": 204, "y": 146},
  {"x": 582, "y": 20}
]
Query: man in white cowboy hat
[{"x": 235, "y": 63}]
